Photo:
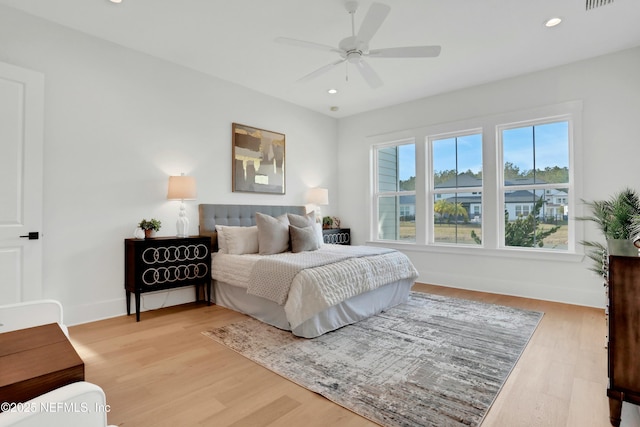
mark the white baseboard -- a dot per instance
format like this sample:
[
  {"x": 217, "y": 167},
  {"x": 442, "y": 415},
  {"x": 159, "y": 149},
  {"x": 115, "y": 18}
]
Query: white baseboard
[
  {"x": 76, "y": 315},
  {"x": 588, "y": 296}
]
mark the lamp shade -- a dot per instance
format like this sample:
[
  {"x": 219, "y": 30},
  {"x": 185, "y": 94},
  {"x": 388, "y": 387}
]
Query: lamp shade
[
  {"x": 182, "y": 188},
  {"x": 318, "y": 196}
]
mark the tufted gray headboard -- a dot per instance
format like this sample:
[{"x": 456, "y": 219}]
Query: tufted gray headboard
[{"x": 237, "y": 215}]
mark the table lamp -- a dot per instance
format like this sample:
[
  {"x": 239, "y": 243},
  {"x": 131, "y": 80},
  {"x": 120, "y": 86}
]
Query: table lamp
[
  {"x": 318, "y": 196},
  {"x": 182, "y": 188}
]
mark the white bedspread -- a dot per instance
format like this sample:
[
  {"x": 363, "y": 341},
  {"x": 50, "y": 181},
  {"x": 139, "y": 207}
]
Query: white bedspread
[
  {"x": 232, "y": 269},
  {"x": 315, "y": 289},
  {"x": 271, "y": 277},
  {"x": 331, "y": 279}
]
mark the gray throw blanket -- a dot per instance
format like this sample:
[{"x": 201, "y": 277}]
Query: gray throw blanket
[{"x": 271, "y": 277}]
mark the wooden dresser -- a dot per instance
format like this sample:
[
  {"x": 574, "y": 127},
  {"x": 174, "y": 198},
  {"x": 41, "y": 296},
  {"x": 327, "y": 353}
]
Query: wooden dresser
[
  {"x": 34, "y": 361},
  {"x": 624, "y": 327}
]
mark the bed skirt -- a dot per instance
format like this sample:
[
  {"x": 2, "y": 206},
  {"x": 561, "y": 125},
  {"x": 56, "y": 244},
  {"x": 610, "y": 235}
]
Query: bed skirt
[{"x": 350, "y": 311}]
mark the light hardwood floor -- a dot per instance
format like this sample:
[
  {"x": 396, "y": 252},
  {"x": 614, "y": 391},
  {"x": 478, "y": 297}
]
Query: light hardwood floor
[{"x": 163, "y": 372}]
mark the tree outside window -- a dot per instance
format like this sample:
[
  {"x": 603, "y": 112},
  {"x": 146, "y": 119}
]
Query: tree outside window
[
  {"x": 457, "y": 188},
  {"x": 509, "y": 177},
  {"x": 535, "y": 178}
]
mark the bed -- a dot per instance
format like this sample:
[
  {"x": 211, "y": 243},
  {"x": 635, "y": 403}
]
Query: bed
[{"x": 309, "y": 288}]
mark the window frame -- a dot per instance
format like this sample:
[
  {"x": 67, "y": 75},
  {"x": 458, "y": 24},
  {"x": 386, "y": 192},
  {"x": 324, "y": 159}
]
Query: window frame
[
  {"x": 434, "y": 192},
  {"x": 492, "y": 210},
  {"x": 502, "y": 188},
  {"x": 377, "y": 194}
]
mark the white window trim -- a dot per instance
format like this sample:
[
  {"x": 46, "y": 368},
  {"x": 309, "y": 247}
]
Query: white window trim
[
  {"x": 490, "y": 155},
  {"x": 569, "y": 117},
  {"x": 433, "y": 191},
  {"x": 376, "y": 194}
]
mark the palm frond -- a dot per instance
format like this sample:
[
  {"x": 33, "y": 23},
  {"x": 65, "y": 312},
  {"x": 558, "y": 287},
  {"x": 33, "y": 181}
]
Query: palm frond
[
  {"x": 597, "y": 252},
  {"x": 617, "y": 218}
]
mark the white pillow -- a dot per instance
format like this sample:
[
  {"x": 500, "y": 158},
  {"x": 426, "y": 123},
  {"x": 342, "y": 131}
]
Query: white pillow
[
  {"x": 239, "y": 240},
  {"x": 242, "y": 240},
  {"x": 318, "y": 229},
  {"x": 222, "y": 240},
  {"x": 273, "y": 234}
]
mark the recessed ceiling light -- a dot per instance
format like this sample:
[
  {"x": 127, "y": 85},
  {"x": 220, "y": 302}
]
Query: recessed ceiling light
[
  {"x": 332, "y": 91},
  {"x": 334, "y": 108},
  {"x": 115, "y": 1},
  {"x": 552, "y": 22}
]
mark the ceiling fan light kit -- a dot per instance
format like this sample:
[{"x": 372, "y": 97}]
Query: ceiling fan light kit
[{"x": 355, "y": 48}]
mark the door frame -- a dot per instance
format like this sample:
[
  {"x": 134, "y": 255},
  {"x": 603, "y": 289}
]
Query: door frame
[{"x": 26, "y": 252}]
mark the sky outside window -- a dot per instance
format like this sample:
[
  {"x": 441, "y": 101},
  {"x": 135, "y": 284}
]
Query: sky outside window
[
  {"x": 458, "y": 154},
  {"x": 538, "y": 147},
  {"x": 407, "y": 161}
]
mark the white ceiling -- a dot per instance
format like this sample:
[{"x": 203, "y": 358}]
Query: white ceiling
[{"x": 482, "y": 41}]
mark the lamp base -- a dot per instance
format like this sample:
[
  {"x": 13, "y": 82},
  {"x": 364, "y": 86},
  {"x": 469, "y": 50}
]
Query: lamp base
[{"x": 182, "y": 225}]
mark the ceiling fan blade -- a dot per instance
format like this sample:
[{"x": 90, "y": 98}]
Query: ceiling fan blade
[
  {"x": 369, "y": 74},
  {"x": 372, "y": 21},
  {"x": 320, "y": 71},
  {"x": 302, "y": 43},
  {"x": 406, "y": 52}
]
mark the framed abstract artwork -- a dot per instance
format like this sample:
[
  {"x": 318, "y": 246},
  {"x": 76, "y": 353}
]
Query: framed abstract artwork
[{"x": 258, "y": 157}]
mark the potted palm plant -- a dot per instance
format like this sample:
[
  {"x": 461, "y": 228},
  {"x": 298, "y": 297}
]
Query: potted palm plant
[{"x": 618, "y": 218}]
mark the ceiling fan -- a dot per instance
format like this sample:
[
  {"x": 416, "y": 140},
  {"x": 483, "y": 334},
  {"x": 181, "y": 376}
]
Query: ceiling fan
[{"x": 355, "y": 48}]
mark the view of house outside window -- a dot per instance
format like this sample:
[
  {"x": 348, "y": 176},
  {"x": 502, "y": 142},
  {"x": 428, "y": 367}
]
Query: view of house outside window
[
  {"x": 495, "y": 182},
  {"x": 457, "y": 189},
  {"x": 535, "y": 185}
]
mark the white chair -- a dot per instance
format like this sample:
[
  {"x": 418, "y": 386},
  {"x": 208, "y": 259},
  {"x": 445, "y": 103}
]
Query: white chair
[
  {"x": 31, "y": 313},
  {"x": 77, "y": 404}
]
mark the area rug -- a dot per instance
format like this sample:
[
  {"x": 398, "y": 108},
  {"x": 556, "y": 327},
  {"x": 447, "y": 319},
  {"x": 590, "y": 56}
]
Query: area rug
[{"x": 433, "y": 361}]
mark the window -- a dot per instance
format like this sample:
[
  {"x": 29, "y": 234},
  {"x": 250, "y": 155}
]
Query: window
[
  {"x": 395, "y": 191},
  {"x": 535, "y": 184},
  {"x": 457, "y": 188},
  {"x": 504, "y": 182}
]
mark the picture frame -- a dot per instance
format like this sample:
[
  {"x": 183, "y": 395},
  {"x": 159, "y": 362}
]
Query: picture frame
[{"x": 258, "y": 160}]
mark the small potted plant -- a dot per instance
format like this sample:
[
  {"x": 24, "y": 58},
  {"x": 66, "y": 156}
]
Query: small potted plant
[
  {"x": 327, "y": 222},
  {"x": 150, "y": 226}
]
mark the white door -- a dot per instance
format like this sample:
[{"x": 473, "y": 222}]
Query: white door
[{"x": 21, "y": 129}]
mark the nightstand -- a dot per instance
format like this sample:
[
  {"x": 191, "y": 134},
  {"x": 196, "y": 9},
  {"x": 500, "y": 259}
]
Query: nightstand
[
  {"x": 337, "y": 236},
  {"x": 162, "y": 263}
]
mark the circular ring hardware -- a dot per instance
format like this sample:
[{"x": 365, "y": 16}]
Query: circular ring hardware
[
  {"x": 337, "y": 238},
  {"x": 167, "y": 254},
  {"x": 174, "y": 273}
]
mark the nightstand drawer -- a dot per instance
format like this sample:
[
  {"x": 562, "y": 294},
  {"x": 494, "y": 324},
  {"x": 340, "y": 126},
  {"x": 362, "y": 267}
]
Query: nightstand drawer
[{"x": 337, "y": 236}]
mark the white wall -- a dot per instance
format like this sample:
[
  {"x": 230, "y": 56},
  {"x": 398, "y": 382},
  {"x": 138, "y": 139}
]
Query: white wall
[
  {"x": 117, "y": 124},
  {"x": 609, "y": 88}
]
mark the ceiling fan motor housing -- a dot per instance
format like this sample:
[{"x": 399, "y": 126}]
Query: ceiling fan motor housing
[
  {"x": 351, "y": 6},
  {"x": 353, "y": 48}
]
